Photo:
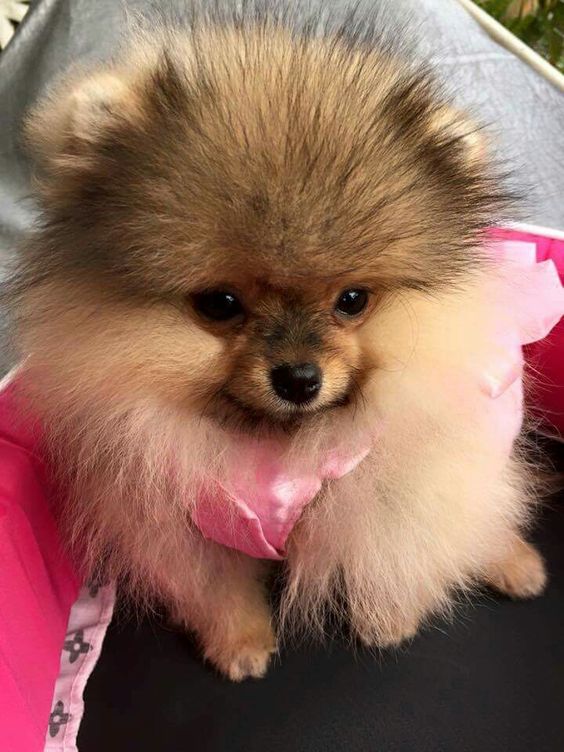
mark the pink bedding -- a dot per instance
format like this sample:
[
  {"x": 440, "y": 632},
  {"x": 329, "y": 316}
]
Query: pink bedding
[
  {"x": 547, "y": 356},
  {"x": 38, "y": 586}
]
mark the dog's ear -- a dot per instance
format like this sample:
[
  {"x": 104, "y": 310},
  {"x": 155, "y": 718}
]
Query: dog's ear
[
  {"x": 452, "y": 126},
  {"x": 96, "y": 103},
  {"x": 78, "y": 114}
]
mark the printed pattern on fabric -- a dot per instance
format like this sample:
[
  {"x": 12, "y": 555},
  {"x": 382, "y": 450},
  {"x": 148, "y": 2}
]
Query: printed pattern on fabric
[{"x": 88, "y": 622}]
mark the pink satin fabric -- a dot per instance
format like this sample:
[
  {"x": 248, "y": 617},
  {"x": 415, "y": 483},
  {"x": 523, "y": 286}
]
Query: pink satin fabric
[
  {"x": 546, "y": 355},
  {"x": 261, "y": 500}
]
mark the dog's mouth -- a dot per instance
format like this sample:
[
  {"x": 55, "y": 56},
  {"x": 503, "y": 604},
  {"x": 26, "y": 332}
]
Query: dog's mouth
[{"x": 233, "y": 413}]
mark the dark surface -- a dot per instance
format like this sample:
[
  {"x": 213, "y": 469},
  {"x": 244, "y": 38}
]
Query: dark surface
[{"x": 491, "y": 681}]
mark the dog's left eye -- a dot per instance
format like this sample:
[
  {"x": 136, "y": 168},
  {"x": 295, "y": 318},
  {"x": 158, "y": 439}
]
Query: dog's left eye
[
  {"x": 217, "y": 305},
  {"x": 351, "y": 302}
]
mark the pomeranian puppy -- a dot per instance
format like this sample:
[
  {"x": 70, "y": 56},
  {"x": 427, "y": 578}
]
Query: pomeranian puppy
[{"x": 254, "y": 233}]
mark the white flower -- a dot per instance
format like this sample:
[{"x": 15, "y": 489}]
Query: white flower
[{"x": 10, "y": 10}]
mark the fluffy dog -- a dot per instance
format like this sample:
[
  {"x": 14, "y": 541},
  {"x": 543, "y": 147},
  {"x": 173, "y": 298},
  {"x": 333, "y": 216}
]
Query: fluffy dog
[{"x": 249, "y": 230}]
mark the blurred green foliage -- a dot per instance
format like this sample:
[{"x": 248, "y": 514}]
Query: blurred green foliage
[{"x": 539, "y": 23}]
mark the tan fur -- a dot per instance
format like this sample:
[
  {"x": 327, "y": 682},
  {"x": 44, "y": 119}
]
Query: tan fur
[
  {"x": 130, "y": 381},
  {"x": 442, "y": 497},
  {"x": 520, "y": 573}
]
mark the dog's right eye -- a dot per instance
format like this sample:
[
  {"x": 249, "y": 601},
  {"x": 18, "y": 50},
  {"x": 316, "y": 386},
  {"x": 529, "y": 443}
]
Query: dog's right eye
[{"x": 217, "y": 305}]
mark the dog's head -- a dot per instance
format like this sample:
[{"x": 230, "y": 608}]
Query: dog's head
[{"x": 226, "y": 213}]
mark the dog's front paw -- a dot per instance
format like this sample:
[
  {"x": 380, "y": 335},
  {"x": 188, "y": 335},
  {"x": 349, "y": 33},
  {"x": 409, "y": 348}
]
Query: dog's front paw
[
  {"x": 521, "y": 574},
  {"x": 243, "y": 656},
  {"x": 388, "y": 634}
]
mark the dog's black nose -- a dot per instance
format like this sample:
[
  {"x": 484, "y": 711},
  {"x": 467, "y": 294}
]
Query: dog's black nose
[{"x": 296, "y": 383}]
